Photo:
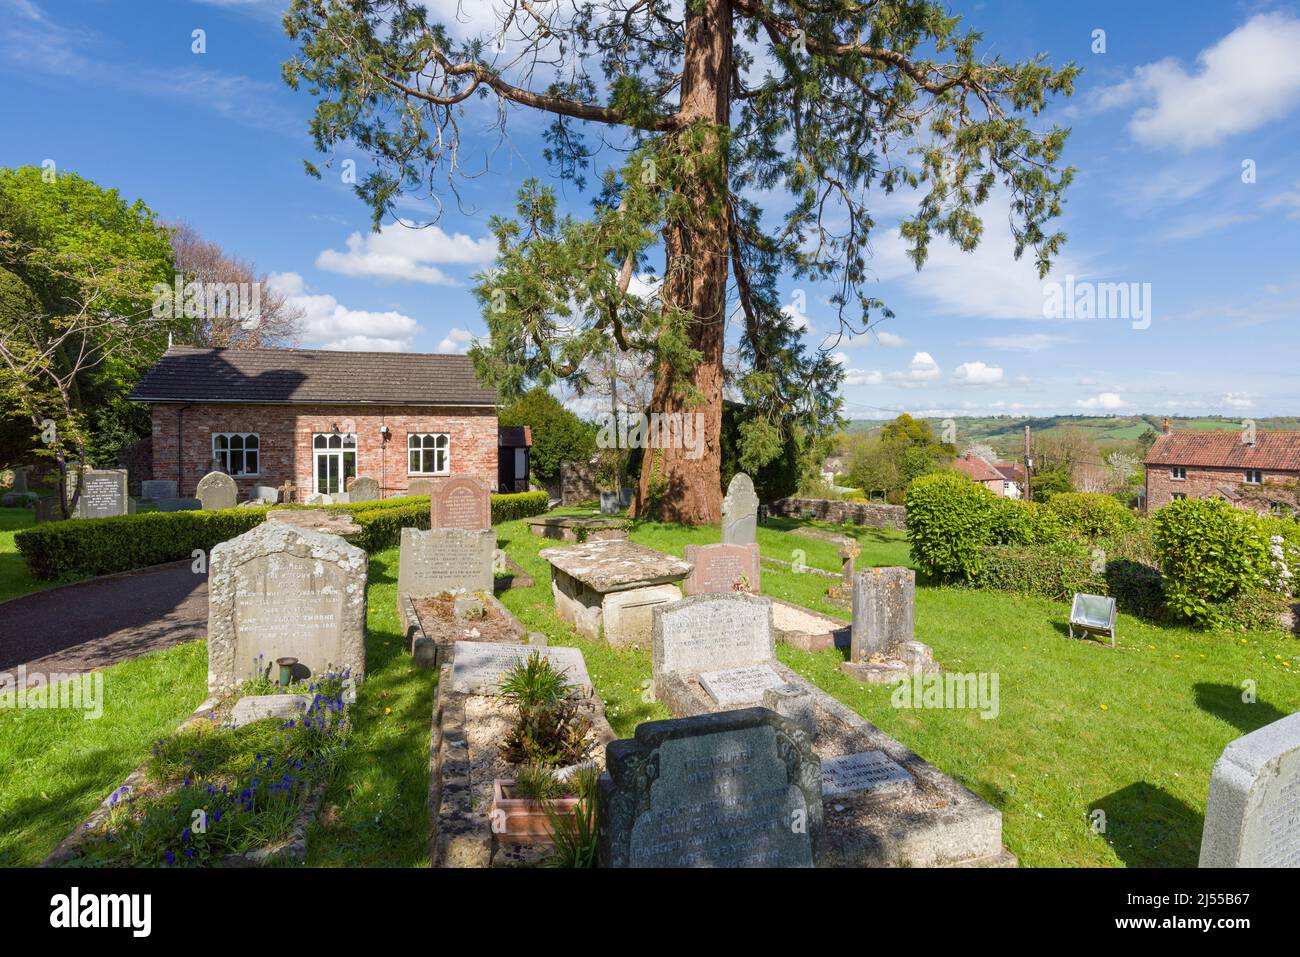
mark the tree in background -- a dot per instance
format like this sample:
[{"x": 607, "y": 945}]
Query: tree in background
[
  {"x": 79, "y": 265},
  {"x": 277, "y": 321},
  {"x": 906, "y": 449},
  {"x": 558, "y": 435},
  {"x": 718, "y": 102}
]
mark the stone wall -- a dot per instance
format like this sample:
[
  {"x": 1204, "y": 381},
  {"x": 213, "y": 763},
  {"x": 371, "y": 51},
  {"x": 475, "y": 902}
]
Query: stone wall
[
  {"x": 578, "y": 483},
  {"x": 285, "y": 435},
  {"x": 872, "y": 514}
]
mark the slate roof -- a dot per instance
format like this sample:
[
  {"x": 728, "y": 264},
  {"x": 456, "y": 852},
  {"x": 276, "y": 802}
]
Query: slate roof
[
  {"x": 1274, "y": 451},
  {"x": 311, "y": 376},
  {"x": 1010, "y": 471},
  {"x": 977, "y": 469}
]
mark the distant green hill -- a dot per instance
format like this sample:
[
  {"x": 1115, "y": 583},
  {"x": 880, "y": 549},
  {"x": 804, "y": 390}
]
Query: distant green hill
[{"x": 1005, "y": 433}]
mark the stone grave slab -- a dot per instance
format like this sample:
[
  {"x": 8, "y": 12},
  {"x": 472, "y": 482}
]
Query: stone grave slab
[
  {"x": 740, "y": 687},
  {"x": 723, "y": 568},
  {"x": 217, "y": 490},
  {"x": 478, "y": 666},
  {"x": 574, "y": 528},
  {"x": 445, "y": 560},
  {"x": 256, "y": 707},
  {"x": 863, "y": 771},
  {"x": 732, "y": 789},
  {"x": 266, "y": 493},
  {"x": 460, "y": 502},
  {"x": 1252, "y": 815},
  {"x": 279, "y": 591},
  {"x": 740, "y": 511},
  {"x": 316, "y": 520},
  {"x": 155, "y": 489}
]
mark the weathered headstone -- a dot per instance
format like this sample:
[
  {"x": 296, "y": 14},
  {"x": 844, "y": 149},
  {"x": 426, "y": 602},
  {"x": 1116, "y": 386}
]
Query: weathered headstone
[
  {"x": 420, "y": 486},
  {"x": 155, "y": 489},
  {"x": 712, "y": 633},
  {"x": 217, "y": 490},
  {"x": 256, "y": 707},
  {"x": 732, "y": 789},
  {"x": 863, "y": 771},
  {"x": 734, "y": 687},
  {"x": 740, "y": 511},
  {"x": 20, "y": 478},
  {"x": 884, "y": 611},
  {"x": 479, "y": 665},
  {"x": 48, "y": 509},
  {"x": 795, "y": 703},
  {"x": 288, "y": 492},
  {"x": 279, "y": 591},
  {"x": 103, "y": 493},
  {"x": 363, "y": 489},
  {"x": 445, "y": 560},
  {"x": 1252, "y": 815},
  {"x": 265, "y": 493},
  {"x": 460, "y": 502},
  {"x": 722, "y": 568}
]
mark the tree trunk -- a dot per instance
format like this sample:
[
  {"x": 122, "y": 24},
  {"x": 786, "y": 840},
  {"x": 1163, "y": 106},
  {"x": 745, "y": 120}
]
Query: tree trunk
[{"x": 685, "y": 484}]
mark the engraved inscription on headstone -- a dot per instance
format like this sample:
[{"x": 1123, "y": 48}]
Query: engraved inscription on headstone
[
  {"x": 722, "y": 568},
  {"x": 735, "y": 687},
  {"x": 864, "y": 771},
  {"x": 103, "y": 493},
  {"x": 731, "y": 789},
  {"x": 461, "y": 502},
  {"x": 479, "y": 665},
  {"x": 712, "y": 633},
  {"x": 445, "y": 560},
  {"x": 884, "y": 611}
]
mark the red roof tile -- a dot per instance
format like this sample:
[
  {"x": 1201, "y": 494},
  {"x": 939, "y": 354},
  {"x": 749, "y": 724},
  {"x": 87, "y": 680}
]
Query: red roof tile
[
  {"x": 1276, "y": 451},
  {"x": 977, "y": 469}
]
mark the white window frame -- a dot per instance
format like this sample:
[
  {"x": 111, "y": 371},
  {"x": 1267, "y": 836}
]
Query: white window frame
[
  {"x": 333, "y": 445},
  {"x": 1178, "y": 473},
  {"x": 1258, "y": 476},
  {"x": 244, "y": 437},
  {"x": 422, "y": 450}
]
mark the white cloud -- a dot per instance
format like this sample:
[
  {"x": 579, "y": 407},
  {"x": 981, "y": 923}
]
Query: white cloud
[
  {"x": 857, "y": 376},
  {"x": 331, "y": 325},
  {"x": 795, "y": 319},
  {"x": 1238, "y": 400},
  {"x": 977, "y": 373},
  {"x": 456, "y": 342},
  {"x": 410, "y": 253},
  {"x": 1243, "y": 81},
  {"x": 890, "y": 341},
  {"x": 921, "y": 371},
  {"x": 1102, "y": 400},
  {"x": 1025, "y": 342}
]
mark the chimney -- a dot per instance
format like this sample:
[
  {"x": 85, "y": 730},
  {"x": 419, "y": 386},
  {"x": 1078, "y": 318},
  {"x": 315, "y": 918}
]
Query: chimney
[{"x": 1165, "y": 427}]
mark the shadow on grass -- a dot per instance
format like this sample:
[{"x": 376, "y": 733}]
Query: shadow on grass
[
  {"x": 1146, "y": 826},
  {"x": 1224, "y": 701}
]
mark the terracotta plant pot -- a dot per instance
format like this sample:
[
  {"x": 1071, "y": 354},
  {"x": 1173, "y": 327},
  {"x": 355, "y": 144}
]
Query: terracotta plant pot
[{"x": 524, "y": 820}]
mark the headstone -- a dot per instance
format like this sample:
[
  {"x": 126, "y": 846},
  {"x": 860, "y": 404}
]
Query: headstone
[
  {"x": 734, "y": 687},
  {"x": 287, "y": 492},
  {"x": 461, "y": 502},
  {"x": 420, "y": 486},
  {"x": 256, "y": 707},
  {"x": 740, "y": 511},
  {"x": 318, "y": 498},
  {"x": 445, "y": 560},
  {"x": 155, "y": 489},
  {"x": 864, "y": 771},
  {"x": 316, "y": 520},
  {"x": 177, "y": 505},
  {"x": 722, "y": 568},
  {"x": 884, "y": 611},
  {"x": 279, "y": 591},
  {"x": 712, "y": 633},
  {"x": 795, "y": 703},
  {"x": 363, "y": 489},
  {"x": 266, "y": 493},
  {"x": 217, "y": 490},
  {"x": 1252, "y": 815},
  {"x": 611, "y": 504},
  {"x": 731, "y": 789},
  {"x": 103, "y": 493},
  {"x": 479, "y": 665}
]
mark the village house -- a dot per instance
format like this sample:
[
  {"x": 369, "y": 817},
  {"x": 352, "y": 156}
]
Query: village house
[
  {"x": 319, "y": 418},
  {"x": 1256, "y": 472},
  {"x": 990, "y": 476}
]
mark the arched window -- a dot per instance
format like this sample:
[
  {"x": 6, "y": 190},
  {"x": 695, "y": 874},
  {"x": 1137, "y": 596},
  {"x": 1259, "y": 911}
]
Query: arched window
[
  {"x": 428, "y": 453},
  {"x": 236, "y": 453}
]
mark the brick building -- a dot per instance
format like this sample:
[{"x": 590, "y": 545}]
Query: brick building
[
  {"x": 988, "y": 475},
  {"x": 1222, "y": 464},
  {"x": 319, "y": 418}
]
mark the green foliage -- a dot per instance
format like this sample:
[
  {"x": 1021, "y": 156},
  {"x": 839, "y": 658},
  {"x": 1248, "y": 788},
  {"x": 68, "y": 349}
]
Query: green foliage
[
  {"x": 537, "y": 782},
  {"x": 576, "y": 837},
  {"x": 1055, "y": 572},
  {"x": 550, "y": 728},
  {"x": 1049, "y": 482},
  {"x": 1210, "y": 553},
  {"x": 778, "y": 476},
  {"x": 947, "y": 524},
  {"x": 507, "y": 508},
  {"x": 1013, "y": 522},
  {"x": 1090, "y": 515},
  {"x": 558, "y": 435},
  {"x": 534, "y": 683}
]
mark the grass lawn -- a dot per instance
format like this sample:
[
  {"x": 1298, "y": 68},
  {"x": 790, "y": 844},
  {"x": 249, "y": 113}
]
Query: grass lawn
[
  {"x": 14, "y": 580},
  {"x": 1132, "y": 732}
]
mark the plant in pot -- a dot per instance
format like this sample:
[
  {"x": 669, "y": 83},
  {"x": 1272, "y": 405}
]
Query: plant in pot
[{"x": 549, "y": 732}]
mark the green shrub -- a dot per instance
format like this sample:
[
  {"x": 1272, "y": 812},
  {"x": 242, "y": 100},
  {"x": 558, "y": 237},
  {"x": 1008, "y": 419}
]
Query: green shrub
[
  {"x": 1253, "y": 610},
  {"x": 1090, "y": 515},
  {"x": 948, "y": 523},
  {"x": 507, "y": 508},
  {"x": 101, "y": 546},
  {"x": 1013, "y": 522},
  {"x": 382, "y": 527},
  {"x": 1138, "y": 588},
  {"x": 1210, "y": 553},
  {"x": 1053, "y": 571}
]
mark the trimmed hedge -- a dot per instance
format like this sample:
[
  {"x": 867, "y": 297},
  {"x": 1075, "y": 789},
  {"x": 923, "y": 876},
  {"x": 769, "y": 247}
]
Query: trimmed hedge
[
  {"x": 101, "y": 546},
  {"x": 1091, "y": 515}
]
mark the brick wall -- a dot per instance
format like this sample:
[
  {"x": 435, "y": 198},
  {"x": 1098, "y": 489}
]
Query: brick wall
[
  {"x": 871, "y": 514},
  {"x": 285, "y": 435},
  {"x": 1204, "y": 483}
]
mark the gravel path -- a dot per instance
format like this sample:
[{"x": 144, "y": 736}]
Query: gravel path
[{"x": 96, "y": 623}]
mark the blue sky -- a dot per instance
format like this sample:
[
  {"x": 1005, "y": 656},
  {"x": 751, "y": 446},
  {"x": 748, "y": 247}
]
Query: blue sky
[{"x": 1163, "y": 119}]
